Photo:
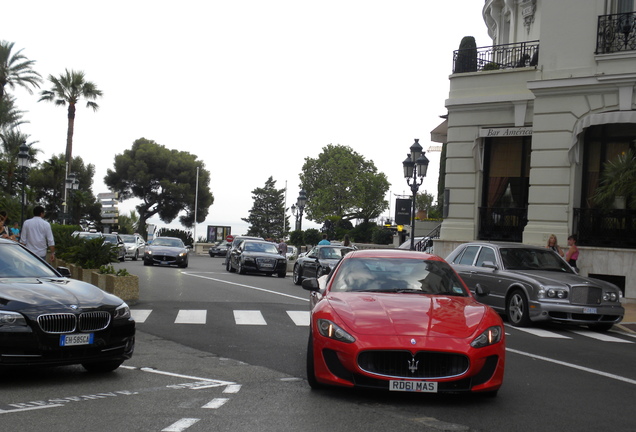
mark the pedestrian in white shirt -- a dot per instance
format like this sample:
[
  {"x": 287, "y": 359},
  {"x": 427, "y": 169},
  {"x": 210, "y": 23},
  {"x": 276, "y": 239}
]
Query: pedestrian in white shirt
[{"x": 37, "y": 235}]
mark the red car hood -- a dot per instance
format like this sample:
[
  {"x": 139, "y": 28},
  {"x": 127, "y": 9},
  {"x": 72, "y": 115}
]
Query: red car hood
[{"x": 408, "y": 314}]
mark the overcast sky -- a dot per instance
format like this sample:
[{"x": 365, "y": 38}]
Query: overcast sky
[{"x": 250, "y": 87}]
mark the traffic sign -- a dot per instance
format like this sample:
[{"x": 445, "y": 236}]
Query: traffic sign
[{"x": 229, "y": 238}]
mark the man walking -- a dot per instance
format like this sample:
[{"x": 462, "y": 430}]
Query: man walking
[{"x": 37, "y": 235}]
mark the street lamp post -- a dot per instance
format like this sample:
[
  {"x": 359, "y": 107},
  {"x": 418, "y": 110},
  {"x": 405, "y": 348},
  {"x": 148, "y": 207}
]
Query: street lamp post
[
  {"x": 415, "y": 166},
  {"x": 72, "y": 183},
  {"x": 299, "y": 208},
  {"x": 23, "y": 162}
]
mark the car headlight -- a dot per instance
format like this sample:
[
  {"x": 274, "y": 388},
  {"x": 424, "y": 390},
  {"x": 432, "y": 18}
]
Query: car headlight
[
  {"x": 491, "y": 336},
  {"x": 12, "y": 319},
  {"x": 610, "y": 296},
  {"x": 333, "y": 331},
  {"x": 122, "y": 312},
  {"x": 558, "y": 293},
  {"x": 249, "y": 260}
]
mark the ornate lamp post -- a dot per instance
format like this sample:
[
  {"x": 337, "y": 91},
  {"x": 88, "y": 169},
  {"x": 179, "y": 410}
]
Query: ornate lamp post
[
  {"x": 23, "y": 163},
  {"x": 415, "y": 166},
  {"x": 72, "y": 183},
  {"x": 299, "y": 208}
]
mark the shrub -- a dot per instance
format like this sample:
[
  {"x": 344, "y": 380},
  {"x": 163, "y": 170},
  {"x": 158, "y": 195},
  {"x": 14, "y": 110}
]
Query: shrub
[{"x": 92, "y": 253}]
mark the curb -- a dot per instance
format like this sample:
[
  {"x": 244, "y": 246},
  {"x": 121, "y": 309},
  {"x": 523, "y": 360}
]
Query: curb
[{"x": 626, "y": 327}]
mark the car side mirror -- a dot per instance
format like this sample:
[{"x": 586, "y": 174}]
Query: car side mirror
[
  {"x": 489, "y": 264},
  {"x": 311, "y": 284},
  {"x": 64, "y": 271},
  {"x": 481, "y": 291}
]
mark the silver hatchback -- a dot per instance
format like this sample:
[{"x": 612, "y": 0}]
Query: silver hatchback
[{"x": 531, "y": 284}]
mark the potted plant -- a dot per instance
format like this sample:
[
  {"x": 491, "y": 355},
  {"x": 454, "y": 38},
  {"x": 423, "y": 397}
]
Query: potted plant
[
  {"x": 120, "y": 283},
  {"x": 617, "y": 186},
  {"x": 85, "y": 256}
]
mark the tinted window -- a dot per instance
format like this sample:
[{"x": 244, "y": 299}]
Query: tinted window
[
  {"x": 486, "y": 254},
  {"x": 468, "y": 257}
]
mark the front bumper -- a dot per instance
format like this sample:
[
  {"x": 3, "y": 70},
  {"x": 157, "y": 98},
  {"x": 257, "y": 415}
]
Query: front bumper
[{"x": 576, "y": 314}]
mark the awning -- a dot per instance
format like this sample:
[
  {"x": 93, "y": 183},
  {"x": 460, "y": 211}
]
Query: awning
[
  {"x": 440, "y": 133},
  {"x": 595, "y": 120}
]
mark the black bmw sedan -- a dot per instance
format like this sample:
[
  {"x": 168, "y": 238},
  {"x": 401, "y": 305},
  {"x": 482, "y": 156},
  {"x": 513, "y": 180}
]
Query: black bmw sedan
[
  {"x": 48, "y": 319},
  {"x": 254, "y": 256}
]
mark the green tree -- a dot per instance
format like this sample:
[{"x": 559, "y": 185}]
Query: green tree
[
  {"x": 164, "y": 180},
  {"x": 16, "y": 70},
  {"x": 48, "y": 181},
  {"x": 11, "y": 140},
  {"x": 342, "y": 183},
  {"x": 128, "y": 223},
  {"x": 68, "y": 89},
  {"x": 312, "y": 236},
  {"x": 268, "y": 217}
]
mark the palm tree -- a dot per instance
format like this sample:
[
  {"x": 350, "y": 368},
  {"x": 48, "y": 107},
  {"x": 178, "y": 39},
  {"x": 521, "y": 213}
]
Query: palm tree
[
  {"x": 10, "y": 143},
  {"x": 68, "y": 88},
  {"x": 16, "y": 69}
]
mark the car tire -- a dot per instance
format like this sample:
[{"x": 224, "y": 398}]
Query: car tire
[
  {"x": 282, "y": 274},
  {"x": 311, "y": 371},
  {"x": 147, "y": 263},
  {"x": 102, "y": 367},
  {"x": 517, "y": 309},
  {"x": 297, "y": 276},
  {"x": 228, "y": 267},
  {"x": 241, "y": 269},
  {"x": 136, "y": 256}
]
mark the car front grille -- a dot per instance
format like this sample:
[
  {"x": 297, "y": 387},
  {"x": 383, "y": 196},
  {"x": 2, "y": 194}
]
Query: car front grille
[
  {"x": 586, "y": 295},
  {"x": 269, "y": 263},
  {"x": 165, "y": 258},
  {"x": 67, "y": 322},
  {"x": 424, "y": 364}
]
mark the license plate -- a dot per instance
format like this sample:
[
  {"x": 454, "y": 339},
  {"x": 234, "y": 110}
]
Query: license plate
[
  {"x": 164, "y": 263},
  {"x": 590, "y": 310},
  {"x": 413, "y": 386},
  {"x": 267, "y": 265},
  {"x": 76, "y": 339}
]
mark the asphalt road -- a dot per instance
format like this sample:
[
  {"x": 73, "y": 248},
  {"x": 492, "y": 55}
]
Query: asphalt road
[{"x": 226, "y": 352}]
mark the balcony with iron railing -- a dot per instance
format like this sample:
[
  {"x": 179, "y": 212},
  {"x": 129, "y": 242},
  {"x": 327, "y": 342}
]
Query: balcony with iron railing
[
  {"x": 614, "y": 228},
  {"x": 502, "y": 223},
  {"x": 616, "y": 33},
  {"x": 496, "y": 57}
]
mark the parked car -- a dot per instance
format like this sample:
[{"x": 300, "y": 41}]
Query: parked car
[
  {"x": 257, "y": 256},
  {"x": 532, "y": 284},
  {"x": 118, "y": 244},
  {"x": 135, "y": 245},
  {"x": 87, "y": 235},
  {"x": 49, "y": 319},
  {"x": 292, "y": 253},
  {"x": 401, "y": 321},
  {"x": 219, "y": 249},
  {"x": 235, "y": 242},
  {"x": 166, "y": 251},
  {"x": 318, "y": 261}
]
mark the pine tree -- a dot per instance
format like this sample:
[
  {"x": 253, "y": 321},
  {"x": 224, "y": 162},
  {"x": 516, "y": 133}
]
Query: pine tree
[{"x": 268, "y": 216}]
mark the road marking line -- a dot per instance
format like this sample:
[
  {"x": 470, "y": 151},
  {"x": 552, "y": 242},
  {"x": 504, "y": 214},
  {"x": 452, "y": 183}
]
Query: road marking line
[
  {"x": 247, "y": 286},
  {"x": 180, "y": 425},
  {"x": 215, "y": 403},
  {"x": 191, "y": 317},
  {"x": 140, "y": 315},
  {"x": 542, "y": 333},
  {"x": 573, "y": 366},
  {"x": 232, "y": 388},
  {"x": 600, "y": 336},
  {"x": 249, "y": 317},
  {"x": 300, "y": 318},
  {"x": 151, "y": 370}
]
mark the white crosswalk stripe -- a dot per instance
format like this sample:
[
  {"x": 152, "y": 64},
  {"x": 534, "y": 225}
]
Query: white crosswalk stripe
[
  {"x": 249, "y": 317},
  {"x": 301, "y": 318}
]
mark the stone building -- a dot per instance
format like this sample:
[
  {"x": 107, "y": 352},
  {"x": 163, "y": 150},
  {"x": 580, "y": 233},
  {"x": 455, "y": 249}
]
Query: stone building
[{"x": 533, "y": 120}]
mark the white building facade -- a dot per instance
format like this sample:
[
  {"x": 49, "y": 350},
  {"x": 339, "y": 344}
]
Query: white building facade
[{"x": 532, "y": 121}]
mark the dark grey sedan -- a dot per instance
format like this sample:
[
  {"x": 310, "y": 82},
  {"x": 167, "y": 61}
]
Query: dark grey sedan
[
  {"x": 318, "y": 261},
  {"x": 166, "y": 251},
  {"x": 531, "y": 284}
]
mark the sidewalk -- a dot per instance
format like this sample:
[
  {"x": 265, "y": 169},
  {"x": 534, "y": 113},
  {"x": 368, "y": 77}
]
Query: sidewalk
[{"x": 629, "y": 320}]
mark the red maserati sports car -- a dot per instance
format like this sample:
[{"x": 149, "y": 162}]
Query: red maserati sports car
[{"x": 401, "y": 321}]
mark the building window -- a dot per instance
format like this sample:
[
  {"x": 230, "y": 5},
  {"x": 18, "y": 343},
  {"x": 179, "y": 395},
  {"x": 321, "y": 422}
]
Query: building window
[
  {"x": 504, "y": 207},
  {"x": 602, "y": 144}
]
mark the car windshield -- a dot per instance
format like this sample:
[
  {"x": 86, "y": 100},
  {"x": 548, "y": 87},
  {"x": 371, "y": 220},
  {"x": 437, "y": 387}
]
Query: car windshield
[
  {"x": 533, "y": 259},
  {"x": 16, "y": 262},
  {"x": 171, "y": 242},
  {"x": 110, "y": 238},
  {"x": 403, "y": 275},
  {"x": 127, "y": 238},
  {"x": 88, "y": 235},
  {"x": 260, "y": 247}
]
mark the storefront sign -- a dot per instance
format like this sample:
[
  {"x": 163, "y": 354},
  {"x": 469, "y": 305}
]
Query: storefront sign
[{"x": 504, "y": 132}]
